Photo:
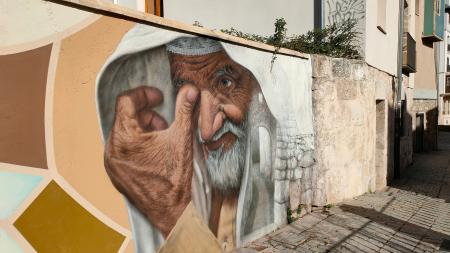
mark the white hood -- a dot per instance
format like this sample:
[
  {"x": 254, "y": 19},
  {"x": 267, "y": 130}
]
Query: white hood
[{"x": 123, "y": 71}]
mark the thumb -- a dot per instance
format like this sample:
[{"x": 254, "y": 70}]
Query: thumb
[{"x": 185, "y": 106}]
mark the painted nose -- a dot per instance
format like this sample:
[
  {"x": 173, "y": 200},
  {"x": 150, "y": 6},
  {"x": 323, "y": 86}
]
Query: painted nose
[{"x": 211, "y": 117}]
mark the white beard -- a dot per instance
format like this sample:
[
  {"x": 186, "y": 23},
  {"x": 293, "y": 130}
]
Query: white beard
[{"x": 225, "y": 168}]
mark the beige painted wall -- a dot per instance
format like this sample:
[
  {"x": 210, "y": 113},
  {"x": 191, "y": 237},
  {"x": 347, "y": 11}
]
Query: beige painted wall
[
  {"x": 411, "y": 28},
  {"x": 425, "y": 77},
  {"x": 78, "y": 145},
  {"x": 77, "y": 43},
  {"x": 380, "y": 48},
  {"x": 71, "y": 125}
]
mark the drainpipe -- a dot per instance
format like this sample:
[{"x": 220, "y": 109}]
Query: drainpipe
[
  {"x": 437, "y": 64},
  {"x": 398, "y": 102},
  {"x": 318, "y": 14}
]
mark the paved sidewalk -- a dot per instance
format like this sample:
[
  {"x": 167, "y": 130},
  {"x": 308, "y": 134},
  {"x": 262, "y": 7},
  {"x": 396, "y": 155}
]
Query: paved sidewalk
[{"x": 413, "y": 215}]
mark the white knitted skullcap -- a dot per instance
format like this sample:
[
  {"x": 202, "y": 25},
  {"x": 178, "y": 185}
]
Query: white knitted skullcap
[{"x": 193, "y": 46}]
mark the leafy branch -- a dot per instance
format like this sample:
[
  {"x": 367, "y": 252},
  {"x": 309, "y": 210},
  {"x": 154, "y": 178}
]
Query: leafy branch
[{"x": 336, "y": 40}]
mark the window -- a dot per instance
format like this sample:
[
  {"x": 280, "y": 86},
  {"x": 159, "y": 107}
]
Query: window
[
  {"x": 448, "y": 70},
  {"x": 159, "y": 11},
  {"x": 381, "y": 16},
  {"x": 154, "y": 7},
  {"x": 447, "y": 85},
  {"x": 437, "y": 9}
]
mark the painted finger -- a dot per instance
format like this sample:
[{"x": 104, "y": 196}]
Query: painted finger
[
  {"x": 132, "y": 101},
  {"x": 185, "y": 108},
  {"x": 149, "y": 120}
]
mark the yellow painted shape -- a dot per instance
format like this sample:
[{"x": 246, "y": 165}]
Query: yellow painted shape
[{"x": 55, "y": 222}]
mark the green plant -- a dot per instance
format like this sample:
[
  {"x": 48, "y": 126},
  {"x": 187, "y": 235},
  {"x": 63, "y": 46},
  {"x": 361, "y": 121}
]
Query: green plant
[
  {"x": 278, "y": 38},
  {"x": 336, "y": 40},
  {"x": 247, "y": 36},
  {"x": 197, "y": 23},
  {"x": 328, "y": 206},
  {"x": 290, "y": 218}
]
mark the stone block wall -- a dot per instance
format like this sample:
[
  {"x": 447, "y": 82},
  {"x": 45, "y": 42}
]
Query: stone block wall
[
  {"x": 354, "y": 152},
  {"x": 406, "y": 139},
  {"x": 427, "y": 107},
  {"x": 294, "y": 164}
]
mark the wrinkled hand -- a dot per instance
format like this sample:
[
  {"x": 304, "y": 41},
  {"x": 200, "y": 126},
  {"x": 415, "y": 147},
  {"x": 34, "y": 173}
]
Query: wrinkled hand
[{"x": 148, "y": 162}]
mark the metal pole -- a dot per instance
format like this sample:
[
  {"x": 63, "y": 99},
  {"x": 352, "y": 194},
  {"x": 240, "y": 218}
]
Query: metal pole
[
  {"x": 438, "y": 54},
  {"x": 318, "y": 14},
  {"x": 398, "y": 102}
]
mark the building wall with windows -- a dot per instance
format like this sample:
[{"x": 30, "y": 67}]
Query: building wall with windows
[
  {"x": 336, "y": 11},
  {"x": 377, "y": 25},
  {"x": 255, "y": 16},
  {"x": 429, "y": 48},
  {"x": 444, "y": 87},
  {"x": 382, "y": 35},
  {"x": 425, "y": 78}
]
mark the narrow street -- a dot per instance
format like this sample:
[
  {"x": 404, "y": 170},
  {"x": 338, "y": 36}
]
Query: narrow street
[{"x": 412, "y": 215}]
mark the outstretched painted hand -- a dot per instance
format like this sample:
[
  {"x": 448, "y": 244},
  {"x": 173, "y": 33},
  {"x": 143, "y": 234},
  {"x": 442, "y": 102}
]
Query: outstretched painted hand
[{"x": 149, "y": 162}]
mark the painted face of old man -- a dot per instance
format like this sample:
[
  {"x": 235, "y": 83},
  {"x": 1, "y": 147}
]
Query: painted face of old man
[{"x": 225, "y": 94}]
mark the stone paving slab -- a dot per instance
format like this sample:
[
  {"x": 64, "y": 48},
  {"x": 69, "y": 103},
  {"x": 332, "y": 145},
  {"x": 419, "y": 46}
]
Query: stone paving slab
[{"x": 413, "y": 215}]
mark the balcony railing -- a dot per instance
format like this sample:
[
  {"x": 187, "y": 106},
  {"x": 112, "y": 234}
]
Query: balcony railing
[{"x": 409, "y": 53}]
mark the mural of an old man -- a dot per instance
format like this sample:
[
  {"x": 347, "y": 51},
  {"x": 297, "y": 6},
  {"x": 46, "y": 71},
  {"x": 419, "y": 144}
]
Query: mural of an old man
[{"x": 187, "y": 129}]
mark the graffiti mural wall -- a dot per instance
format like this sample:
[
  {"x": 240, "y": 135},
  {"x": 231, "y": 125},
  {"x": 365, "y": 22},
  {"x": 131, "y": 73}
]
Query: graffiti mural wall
[
  {"x": 151, "y": 139},
  {"x": 337, "y": 11},
  {"x": 340, "y": 10}
]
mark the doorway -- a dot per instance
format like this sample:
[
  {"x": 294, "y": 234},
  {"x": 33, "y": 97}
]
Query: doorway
[
  {"x": 380, "y": 145},
  {"x": 420, "y": 128}
]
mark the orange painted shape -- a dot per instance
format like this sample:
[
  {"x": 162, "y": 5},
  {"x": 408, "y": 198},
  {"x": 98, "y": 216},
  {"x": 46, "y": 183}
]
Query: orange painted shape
[
  {"x": 77, "y": 138},
  {"x": 55, "y": 222},
  {"x": 23, "y": 79}
]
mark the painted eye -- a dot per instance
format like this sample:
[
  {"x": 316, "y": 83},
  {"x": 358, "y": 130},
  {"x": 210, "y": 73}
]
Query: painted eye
[{"x": 226, "y": 82}]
